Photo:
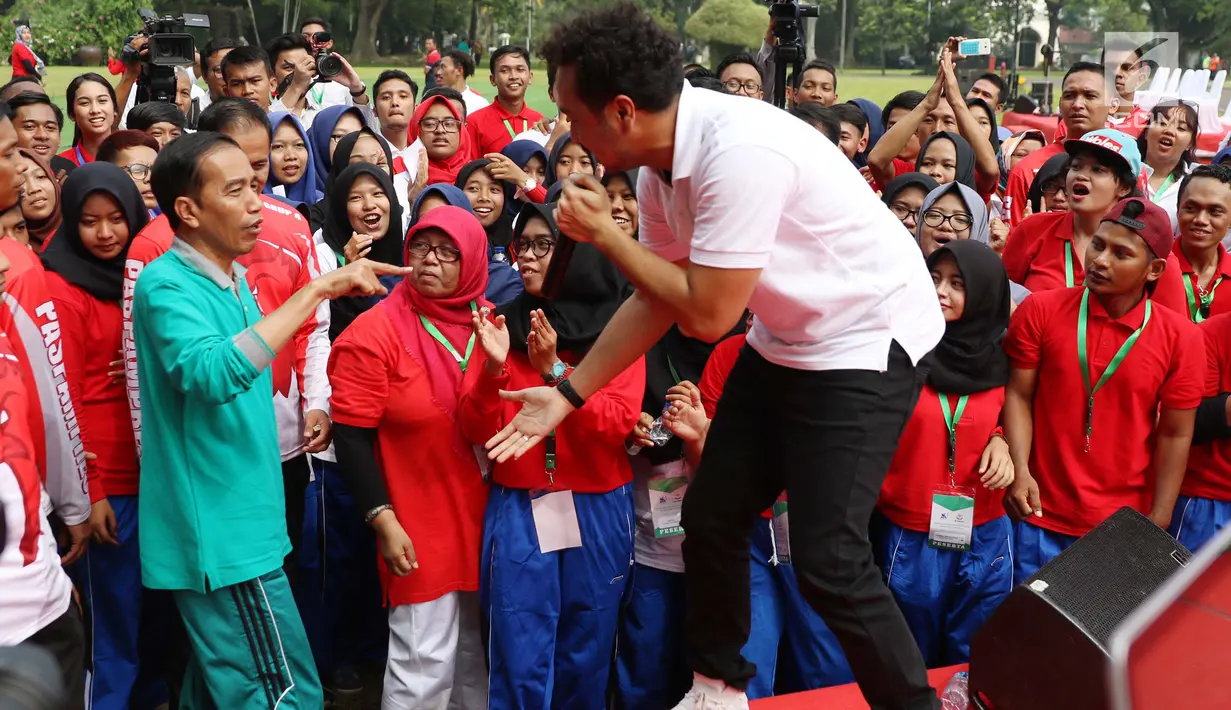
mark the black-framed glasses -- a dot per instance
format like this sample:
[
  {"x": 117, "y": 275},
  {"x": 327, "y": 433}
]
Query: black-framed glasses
[
  {"x": 450, "y": 125},
  {"x": 935, "y": 218},
  {"x": 445, "y": 253},
  {"x": 138, "y": 171},
  {"x": 1052, "y": 190},
  {"x": 734, "y": 85},
  {"x": 902, "y": 212},
  {"x": 540, "y": 247}
]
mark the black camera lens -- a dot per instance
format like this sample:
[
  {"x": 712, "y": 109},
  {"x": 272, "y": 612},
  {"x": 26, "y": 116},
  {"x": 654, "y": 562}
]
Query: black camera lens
[{"x": 328, "y": 65}]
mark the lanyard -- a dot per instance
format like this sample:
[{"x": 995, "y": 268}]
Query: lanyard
[
  {"x": 1198, "y": 312},
  {"x": 1082, "y": 321},
  {"x": 525, "y": 126},
  {"x": 1163, "y": 188},
  {"x": 80, "y": 157},
  {"x": 550, "y": 461},
  {"x": 1070, "y": 254},
  {"x": 318, "y": 92},
  {"x": 951, "y": 421},
  {"x": 433, "y": 331},
  {"x": 671, "y": 366}
]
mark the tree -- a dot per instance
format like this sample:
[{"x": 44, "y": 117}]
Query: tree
[
  {"x": 366, "y": 29},
  {"x": 58, "y": 29},
  {"x": 728, "y": 24}
]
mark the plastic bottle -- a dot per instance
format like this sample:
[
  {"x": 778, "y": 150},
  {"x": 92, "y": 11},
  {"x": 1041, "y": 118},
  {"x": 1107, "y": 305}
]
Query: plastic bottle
[
  {"x": 659, "y": 433},
  {"x": 957, "y": 693},
  {"x": 500, "y": 256}
]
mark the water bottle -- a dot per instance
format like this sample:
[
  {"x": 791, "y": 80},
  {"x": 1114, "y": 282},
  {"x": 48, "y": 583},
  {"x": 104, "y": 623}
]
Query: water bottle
[
  {"x": 500, "y": 256},
  {"x": 957, "y": 694},
  {"x": 659, "y": 433}
]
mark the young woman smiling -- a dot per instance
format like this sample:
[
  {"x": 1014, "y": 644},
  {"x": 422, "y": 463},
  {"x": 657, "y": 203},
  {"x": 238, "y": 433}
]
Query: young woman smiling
[
  {"x": 487, "y": 196},
  {"x": 292, "y": 166},
  {"x": 91, "y": 105},
  {"x": 40, "y": 199}
]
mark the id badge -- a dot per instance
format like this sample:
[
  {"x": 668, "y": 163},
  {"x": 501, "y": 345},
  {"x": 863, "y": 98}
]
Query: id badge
[
  {"x": 667, "y": 489},
  {"x": 782, "y": 531},
  {"x": 953, "y": 518},
  {"x": 555, "y": 521}
]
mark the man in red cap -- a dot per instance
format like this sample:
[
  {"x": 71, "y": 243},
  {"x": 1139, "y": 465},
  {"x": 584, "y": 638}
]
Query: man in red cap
[{"x": 1102, "y": 392}]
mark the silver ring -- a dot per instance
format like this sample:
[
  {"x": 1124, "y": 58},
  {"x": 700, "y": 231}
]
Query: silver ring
[
  {"x": 316, "y": 429},
  {"x": 525, "y": 438}
]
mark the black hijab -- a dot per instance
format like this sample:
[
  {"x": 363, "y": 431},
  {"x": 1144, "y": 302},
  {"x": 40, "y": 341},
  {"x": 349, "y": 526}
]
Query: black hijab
[
  {"x": 550, "y": 177},
  {"x": 905, "y": 180},
  {"x": 1056, "y": 166},
  {"x": 592, "y": 290},
  {"x": 965, "y": 171},
  {"x": 500, "y": 234},
  {"x": 969, "y": 357},
  {"x": 319, "y": 213},
  {"x": 67, "y": 256}
]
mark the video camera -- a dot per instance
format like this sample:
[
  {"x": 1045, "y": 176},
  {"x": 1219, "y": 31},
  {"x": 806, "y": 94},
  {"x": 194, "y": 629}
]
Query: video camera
[
  {"x": 327, "y": 65},
  {"x": 787, "y": 16},
  {"x": 167, "y": 46}
]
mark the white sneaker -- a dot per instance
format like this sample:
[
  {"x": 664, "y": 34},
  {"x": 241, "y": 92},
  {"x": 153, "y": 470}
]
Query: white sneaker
[{"x": 710, "y": 694}]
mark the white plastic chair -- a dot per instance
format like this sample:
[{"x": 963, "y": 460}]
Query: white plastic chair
[
  {"x": 1159, "y": 81},
  {"x": 1198, "y": 84},
  {"x": 1216, "y": 87},
  {"x": 1173, "y": 84}
]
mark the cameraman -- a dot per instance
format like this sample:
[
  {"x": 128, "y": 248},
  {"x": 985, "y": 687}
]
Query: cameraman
[
  {"x": 132, "y": 56},
  {"x": 294, "y": 65}
]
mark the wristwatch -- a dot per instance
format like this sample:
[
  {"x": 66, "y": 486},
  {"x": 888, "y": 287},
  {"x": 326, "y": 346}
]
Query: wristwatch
[
  {"x": 566, "y": 388},
  {"x": 529, "y": 185},
  {"x": 363, "y": 89},
  {"x": 558, "y": 371}
]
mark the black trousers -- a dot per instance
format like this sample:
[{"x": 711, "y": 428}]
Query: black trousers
[
  {"x": 827, "y": 438},
  {"x": 296, "y": 475},
  {"x": 64, "y": 638}
]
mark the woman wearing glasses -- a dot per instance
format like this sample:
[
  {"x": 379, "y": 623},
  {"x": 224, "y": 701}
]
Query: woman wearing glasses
[
  {"x": 558, "y": 535},
  {"x": 134, "y": 153},
  {"x": 397, "y": 374},
  {"x": 904, "y": 196},
  {"x": 439, "y": 125}
]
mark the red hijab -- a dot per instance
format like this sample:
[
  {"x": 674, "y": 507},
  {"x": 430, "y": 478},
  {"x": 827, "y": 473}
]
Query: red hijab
[
  {"x": 444, "y": 170},
  {"x": 450, "y": 315}
]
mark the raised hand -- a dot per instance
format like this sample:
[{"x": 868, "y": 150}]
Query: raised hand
[
  {"x": 357, "y": 247},
  {"x": 584, "y": 209},
  {"x": 541, "y": 344},
  {"x": 503, "y": 168},
  {"x": 493, "y": 339},
  {"x": 358, "y": 278},
  {"x": 543, "y": 408},
  {"x": 685, "y": 417}
]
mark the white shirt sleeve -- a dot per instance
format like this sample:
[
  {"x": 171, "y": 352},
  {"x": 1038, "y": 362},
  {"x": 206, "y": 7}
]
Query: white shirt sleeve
[
  {"x": 652, "y": 228},
  {"x": 739, "y": 196}
]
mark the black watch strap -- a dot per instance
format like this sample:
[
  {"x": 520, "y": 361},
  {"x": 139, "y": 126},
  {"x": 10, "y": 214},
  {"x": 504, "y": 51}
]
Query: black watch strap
[{"x": 566, "y": 388}]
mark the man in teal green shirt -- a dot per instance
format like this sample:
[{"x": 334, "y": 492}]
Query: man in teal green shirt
[{"x": 212, "y": 513}]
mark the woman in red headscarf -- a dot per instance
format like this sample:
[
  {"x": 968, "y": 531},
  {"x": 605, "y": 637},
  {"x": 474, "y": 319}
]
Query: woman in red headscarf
[
  {"x": 441, "y": 127},
  {"x": 397, "y": 374}
]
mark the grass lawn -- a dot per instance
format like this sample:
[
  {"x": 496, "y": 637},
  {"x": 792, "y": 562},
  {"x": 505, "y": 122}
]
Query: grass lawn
[{"x": 855, "y": 83}]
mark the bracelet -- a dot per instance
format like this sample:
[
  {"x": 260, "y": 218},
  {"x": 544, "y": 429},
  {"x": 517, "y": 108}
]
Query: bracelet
[
  {"x": 371, "y": 515},
  {"x": 566, "y": 388},
  {"x": 363, "y": 89}
]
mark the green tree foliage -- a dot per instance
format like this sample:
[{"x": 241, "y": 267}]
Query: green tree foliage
[
  {"x": 60, "y": 27},
  {"x": 737, "y": 23}
]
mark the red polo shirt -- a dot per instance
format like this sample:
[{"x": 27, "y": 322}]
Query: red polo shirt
[
  {"x": 1022, "y": 175},
  {"x": 492, "y": 128},
  {"x": 590, "y": 456},
  {"x": 922, "y": 460},
  {"x": 1209, "y": 465},
  {"x": 900, "y": 167},
  {"x": 1034, "y": 258},
  {"x": 1221, "y": 282},
  {"x": 1080, "y": 489}
]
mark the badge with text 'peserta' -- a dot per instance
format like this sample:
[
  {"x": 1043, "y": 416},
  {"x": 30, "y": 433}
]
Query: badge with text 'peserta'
[{"x": 953, "y": 518}]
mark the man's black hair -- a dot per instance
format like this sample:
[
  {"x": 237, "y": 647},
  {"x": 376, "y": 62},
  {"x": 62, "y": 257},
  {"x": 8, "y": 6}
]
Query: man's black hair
[
  {"x": 908, "y": 100},
  {"x": 450, "y": 94},
  {"x": 1079, "y": 67},
  {"x": 244, "y": 56},
  {"x": 738, "y": 58},
  {"x": 1220, "y": 172},
  {"x": 142, "y": 116},
  {"x": 177, "y": 171},
  {"x": 1159, "y": 114},
  {"x": 462, "y": 60},
  {"x": 850, "y": 113},
  {"x": 618, "y": 50},
  {"x": 1107, "y": 159},
  {"x": 821, "y": 64},
  {"x": 226, "y": 115},
  {"x": 505, "y": 51},
  {"x": 314, "y": 21},
  {"x": 821, "y": 118},
  {"x": 994, "y": 78},
  {"x": 699, "y": 73},
  {"x": 705, "y": 81},
  {"x": 6, "y": 113},
  {"x": 212, "y": 47},
  {"x": 285, "y": 43},
  {"x": 29, "y": 98},
  {"x": 1119, "y": 45},
  {"x": 390, "y": 75}
]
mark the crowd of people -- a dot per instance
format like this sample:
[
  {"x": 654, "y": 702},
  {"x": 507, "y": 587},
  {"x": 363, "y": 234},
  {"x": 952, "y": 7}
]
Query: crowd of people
[{"x": 273, "y": 363}]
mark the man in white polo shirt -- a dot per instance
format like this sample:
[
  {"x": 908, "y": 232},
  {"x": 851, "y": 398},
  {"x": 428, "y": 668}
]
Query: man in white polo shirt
[{"x": 744, "y": 205}]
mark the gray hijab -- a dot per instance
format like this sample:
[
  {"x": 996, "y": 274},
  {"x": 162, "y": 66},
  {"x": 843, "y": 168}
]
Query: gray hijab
[{"x": 980, "y": 230}]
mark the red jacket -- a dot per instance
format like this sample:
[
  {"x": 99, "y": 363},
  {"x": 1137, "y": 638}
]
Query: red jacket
[{"x": 590, "y": 456}]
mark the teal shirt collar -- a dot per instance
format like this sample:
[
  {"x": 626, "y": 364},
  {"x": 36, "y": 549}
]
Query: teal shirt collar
[{"x": 208, "y": 268}]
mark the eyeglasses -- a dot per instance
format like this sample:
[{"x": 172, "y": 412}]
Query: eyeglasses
[
  {"x": 540, "y": 247},
  {"x": 734, "y": 85},
  {"x": 449, "y": 125},
  {"x": 138, "y": 171},
  {"x": 1052, "y": 190},
  {"x": 445, "y": 253},
  {"x": 902, "y": 212},
  {"x": 960, "y": 222}
]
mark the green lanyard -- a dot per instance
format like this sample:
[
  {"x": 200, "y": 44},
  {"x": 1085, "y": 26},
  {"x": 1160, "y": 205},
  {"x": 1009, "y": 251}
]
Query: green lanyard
[
  {"x": 1070, "y": 254},
  {"x": 525, "y": 126},
  {"x": 1082, "y": 319},
  {"x": 951, "y": 420},
  {"x": 1163, "y": 188},
  {"x": 433, "y": 331},
  {"x": 671, "y": 366},
  {"x": 318, "y": 93},
  {"x": 1196, "y": 305}
]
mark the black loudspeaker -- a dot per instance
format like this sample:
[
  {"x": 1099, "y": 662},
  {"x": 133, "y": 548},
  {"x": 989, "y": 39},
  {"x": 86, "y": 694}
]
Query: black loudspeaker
[{"x": 1046, "y": 646}]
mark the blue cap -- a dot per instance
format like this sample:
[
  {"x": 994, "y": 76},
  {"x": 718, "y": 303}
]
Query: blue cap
[{"x": 1118, "y": 143}]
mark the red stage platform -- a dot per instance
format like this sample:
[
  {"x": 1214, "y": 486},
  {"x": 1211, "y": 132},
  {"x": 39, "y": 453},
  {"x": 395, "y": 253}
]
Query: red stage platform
[{"x": 843, "y": 697}]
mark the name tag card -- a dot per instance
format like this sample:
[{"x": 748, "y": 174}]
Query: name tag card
[
  {"x": 953, "y": 518},
  {"x": 782, "y": 531},
  {"x": 667, "y": 489},
  {"x": 555, "y": 521}
]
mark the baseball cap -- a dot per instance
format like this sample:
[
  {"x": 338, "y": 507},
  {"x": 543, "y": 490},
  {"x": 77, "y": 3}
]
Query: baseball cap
[
  {"x": 1109, "y": 141},
  {"x": 1153, "y": 224}
]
